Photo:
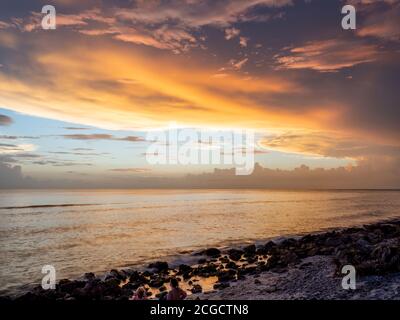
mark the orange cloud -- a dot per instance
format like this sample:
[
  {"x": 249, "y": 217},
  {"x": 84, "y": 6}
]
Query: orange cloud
[{"x": 327, "y": 55}]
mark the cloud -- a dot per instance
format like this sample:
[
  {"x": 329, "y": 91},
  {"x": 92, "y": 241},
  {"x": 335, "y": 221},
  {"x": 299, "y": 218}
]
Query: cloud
[
  {"x": 327, "y": 55},
  {"x": 75, "y": 128},
  {"x": 11, "y": 177},
  {"x": 16, "y": 148},
  {"x": 5, "y": 120},
  {"x": 6, "y": 137},
  {"x": 131, "y": 170},
  {"x": 237, "y": 65},
  {"x": 101, "y": 137},
  {"x": 243, "y": 42},
  {"x": 166, "y": 24},
  {"x": 231, "y": 33},
  {"x": 382, "y": 24},
  {"x": 326, "y": 144}
]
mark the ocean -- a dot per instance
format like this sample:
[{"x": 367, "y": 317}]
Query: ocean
[{"x": 78, "y": 231}]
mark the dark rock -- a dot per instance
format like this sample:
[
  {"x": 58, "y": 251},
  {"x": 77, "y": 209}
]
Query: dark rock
[
  {"x": 231, "y": 265},
  {"x": 257, "y": 282},
  {"x": 89, "y": 276},
  {"x": 162, "y": 295},
  {"x": 224, "y": 259},
  {"x": 138, "y": 278},
  {"x": 162, "y": 288},
  {"x": 207, "y": 270},
  {"x": 157, "y": 283},
  {"x": 250, "y": 250},
  {"x": 235, "y": 254},
  {"x": 212, "y": 252},
  {"x": 159, "y": 266},
  {"x": 202, "y": 261},
  {"x": 184, "y": 268},
  {"x": 228, "y": 275},
  {"x": 196, "y": 289},
  {"x": 220, "y": 286},
  {"x": 69, "y": 286}
]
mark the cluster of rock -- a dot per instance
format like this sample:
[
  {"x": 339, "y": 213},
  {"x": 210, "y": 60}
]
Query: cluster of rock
[{"x": 371, "y": 249}]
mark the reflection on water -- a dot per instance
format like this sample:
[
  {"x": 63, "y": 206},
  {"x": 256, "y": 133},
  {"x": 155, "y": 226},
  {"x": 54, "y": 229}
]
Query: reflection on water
[{"x": 98, "y": 230}]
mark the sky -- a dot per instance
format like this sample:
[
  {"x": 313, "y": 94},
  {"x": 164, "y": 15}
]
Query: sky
[{"x": 77, "y": 103}]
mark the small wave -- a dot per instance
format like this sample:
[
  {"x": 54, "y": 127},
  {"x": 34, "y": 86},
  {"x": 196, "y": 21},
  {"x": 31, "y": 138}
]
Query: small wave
[{"x": 50, "y": 206}]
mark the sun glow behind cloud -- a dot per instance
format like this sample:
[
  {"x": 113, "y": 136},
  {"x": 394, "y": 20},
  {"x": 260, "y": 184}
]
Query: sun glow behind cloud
[{"x": 211, "y": 65}]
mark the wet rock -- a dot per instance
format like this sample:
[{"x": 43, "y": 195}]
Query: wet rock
[
  {"x": 157, "y": 283},
  {"x": 69, "y": 286},
  {"x": 224, "y": 259},
  {"x": 159, "y": 266},
  {"x": 235, "y": 254},
  {"x": 89, "y": 276},
  {"x": 207, "y": 270},
  {"x": 220, "y": 286},
  {"x": 115, "y": 274},
  {"x": 138, "y": 278},
  {"x": 231, "y": 265},
  {"x": 249, "y": 250},
  {"x": 162, "y": 295},
  {"x": 184, "y": 268},
  {"x": 226, "y": 275},
  {"x": 212, "y": 252},
  {"x": 196, "y": 289},
  {"x": 289, "y": 243}
]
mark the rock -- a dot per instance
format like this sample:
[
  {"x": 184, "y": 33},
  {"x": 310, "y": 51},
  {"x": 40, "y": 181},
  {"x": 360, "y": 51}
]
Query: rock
[
  {"x": 289, "y": 243},
  {"x": 235, "y": 254},
  {"x": 224, "y": 259},
  {"x": 159, "y": 266},
  {"x": 138, "y": 278},
  {"x": 162, "y": 288},
  {"x": 224, "y": 276},
  {"x": 231, "y": 265},
  {"x": 69, "y": 286},
  {"x": 89, "y": 276},
  {"x": 257, "y": 282},
  {"x": 250, "y": 250},
  {"x": 162, "y": 295},
  {"x": 157, "y": 283},
  {"x": 221, "y": 286},
  {"x": 212, "y": 252},
  {"x": 115, "y": 274},
  {"x": 207, "y": 270},
  {"x": 196, "y": 289},
  {"x": 184, "y": 268},
  {"x": 202, "y": 261}
]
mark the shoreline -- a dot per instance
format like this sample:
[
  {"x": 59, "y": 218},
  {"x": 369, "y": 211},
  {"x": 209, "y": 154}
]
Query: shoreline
[{"x": 295, "y": 267}]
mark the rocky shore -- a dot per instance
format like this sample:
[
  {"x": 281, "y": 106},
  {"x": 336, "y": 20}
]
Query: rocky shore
[{"x": 307, "y": 267}]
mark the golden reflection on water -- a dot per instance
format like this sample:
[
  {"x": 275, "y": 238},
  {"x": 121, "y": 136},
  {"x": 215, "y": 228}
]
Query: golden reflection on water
[{"x": 125, "y": 228}]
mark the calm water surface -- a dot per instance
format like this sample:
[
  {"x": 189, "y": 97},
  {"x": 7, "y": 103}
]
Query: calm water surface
[{"x": 96, "y": 230}]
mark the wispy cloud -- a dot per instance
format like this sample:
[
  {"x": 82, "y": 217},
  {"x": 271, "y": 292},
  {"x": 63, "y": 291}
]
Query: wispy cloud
[
  {"x": 131, "y": 170},
  {"x": 5, "y": 120},
  {"x": 327, "y": 55},
  {"x": 102, "y": 137}
]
